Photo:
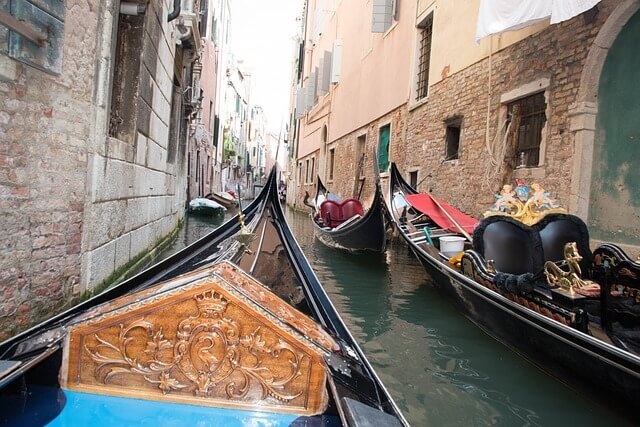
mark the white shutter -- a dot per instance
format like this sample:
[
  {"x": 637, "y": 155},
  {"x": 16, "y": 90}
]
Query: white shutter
[
  {"x": 336, "y": 62},
  {"x": 310, "y": 92},
  {"x": 321, "y": 90},
  {"x": 300, "y": 107},
  {"x": 382, "y": 15},
  {"x": 324, "y": 78}
]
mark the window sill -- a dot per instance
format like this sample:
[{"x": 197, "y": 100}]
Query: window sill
[
  {"x": 394, "y": 25},
  {"x": 416, "y": 104}
]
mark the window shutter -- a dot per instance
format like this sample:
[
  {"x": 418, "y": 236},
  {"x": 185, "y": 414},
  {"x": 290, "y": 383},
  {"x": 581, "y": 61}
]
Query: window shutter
[
  {"x": 382, "y": 15},
  {"x": 324, "y": 79},
  {"x": 300, "y": 107},
  {"x": 336, "y": 62},
  {"x": 310, "y": 92}
]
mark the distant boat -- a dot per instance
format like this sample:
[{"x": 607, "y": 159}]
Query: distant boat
[
  {"x": 343, "y": 224},
  {"x": 225, "y": 198},
  {"x": 202, "y": 206},
  {"x": 520, "y": 282},
  {"x": 235, "y": 329}
]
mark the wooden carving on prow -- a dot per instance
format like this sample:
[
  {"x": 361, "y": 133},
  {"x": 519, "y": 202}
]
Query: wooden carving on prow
[
  {"x": 526, "y": 204},
  {"x": 219, "y": 340},
  {"x": 570, "y": 280}
]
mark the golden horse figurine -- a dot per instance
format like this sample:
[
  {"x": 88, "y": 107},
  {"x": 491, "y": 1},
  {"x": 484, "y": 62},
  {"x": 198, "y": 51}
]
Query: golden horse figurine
[{"x": 570, "y": 280}]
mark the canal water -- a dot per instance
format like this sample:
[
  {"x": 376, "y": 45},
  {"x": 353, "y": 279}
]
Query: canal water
[{"x": 440, "y": 368}]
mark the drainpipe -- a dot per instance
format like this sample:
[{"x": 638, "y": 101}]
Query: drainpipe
[{"x": 175, "y": 12}]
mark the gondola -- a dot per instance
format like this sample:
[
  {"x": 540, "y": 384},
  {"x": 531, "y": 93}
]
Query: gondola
[
  {"x": 585, "y": 334},
  {"x": 233, "y": 330},
  {"x": 343, "y": 223}
]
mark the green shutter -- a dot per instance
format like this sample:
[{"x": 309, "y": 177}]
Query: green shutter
[{"x": 383, "y": 149}]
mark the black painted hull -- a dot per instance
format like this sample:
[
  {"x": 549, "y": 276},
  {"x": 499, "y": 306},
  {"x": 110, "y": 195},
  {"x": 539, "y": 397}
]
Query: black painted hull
[
  {"x": 607, "y": 373},
  {"x": 366, "y": 234},
  {"x": 40, "y": 347}
]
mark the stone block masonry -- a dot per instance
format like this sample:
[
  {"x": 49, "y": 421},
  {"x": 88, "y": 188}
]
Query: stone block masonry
[
  {"x": 76, "y": 204},
  {"x": 44, "y": 129}
]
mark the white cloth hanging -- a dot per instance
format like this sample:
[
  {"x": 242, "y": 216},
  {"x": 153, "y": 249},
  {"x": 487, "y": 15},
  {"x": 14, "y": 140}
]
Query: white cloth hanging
[{"x": 496, "y": 16}]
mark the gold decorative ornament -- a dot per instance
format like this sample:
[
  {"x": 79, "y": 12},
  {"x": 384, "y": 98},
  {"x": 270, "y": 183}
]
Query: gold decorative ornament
[
  {"x": 570, "y": 280},
  {"x": 523, "y": 203}
]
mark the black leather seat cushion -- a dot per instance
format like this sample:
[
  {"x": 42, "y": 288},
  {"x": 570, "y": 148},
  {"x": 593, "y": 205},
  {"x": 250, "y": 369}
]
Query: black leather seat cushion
[{"x": 517, "y": 248}]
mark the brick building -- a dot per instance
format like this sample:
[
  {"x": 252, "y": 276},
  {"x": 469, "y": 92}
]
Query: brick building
[
  {"x": 92, "y": 144},
  {"x": 548, "y": 103}
]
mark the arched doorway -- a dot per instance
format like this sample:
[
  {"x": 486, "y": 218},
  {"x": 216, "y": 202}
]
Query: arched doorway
[
  {"x": 590, "y": 109},
  {"x": 615, "y": 179}
]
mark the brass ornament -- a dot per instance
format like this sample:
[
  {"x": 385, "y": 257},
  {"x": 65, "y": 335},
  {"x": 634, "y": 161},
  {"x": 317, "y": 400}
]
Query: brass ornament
[{"x": 570, "y": 280}]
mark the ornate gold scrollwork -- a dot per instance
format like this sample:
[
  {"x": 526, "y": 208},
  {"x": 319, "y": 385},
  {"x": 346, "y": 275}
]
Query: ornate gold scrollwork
[
  {"x": 570, "y": 280},
  {"x": 526, "y": 204},
  {"x": 210, "y": 350}
]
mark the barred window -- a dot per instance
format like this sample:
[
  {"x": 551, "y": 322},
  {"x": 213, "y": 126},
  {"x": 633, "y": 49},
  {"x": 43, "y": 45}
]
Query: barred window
[
  {"x": 528, "y": 119},
  {"x": 424, "y": 59}
]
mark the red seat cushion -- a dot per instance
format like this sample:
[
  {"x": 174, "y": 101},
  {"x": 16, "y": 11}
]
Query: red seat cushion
[
  {"x": 330, "y": 213},
  {"x": 351, "y": 207},
  {"x": 335, "y": 213}
]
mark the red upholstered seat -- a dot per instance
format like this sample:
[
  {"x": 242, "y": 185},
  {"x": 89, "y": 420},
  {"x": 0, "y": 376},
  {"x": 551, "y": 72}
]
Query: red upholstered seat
[
  {"x": 330, "y": 213},
  {"x": 335, "y": 213},
  {"x": 351, "y": 207}
]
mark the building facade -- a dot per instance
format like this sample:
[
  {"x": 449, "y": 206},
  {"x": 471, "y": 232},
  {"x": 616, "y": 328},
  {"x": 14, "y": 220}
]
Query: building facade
[
  {"x": 547, "y": 103},
  {"x": 93, "y": 136}
]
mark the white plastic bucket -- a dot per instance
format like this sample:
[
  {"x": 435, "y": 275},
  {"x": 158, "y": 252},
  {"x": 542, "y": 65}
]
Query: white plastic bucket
[{"x": 451, "y": 246}]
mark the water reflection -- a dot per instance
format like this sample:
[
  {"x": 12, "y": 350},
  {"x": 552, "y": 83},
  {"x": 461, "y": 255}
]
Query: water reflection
[{"x": 440, "y": 368}]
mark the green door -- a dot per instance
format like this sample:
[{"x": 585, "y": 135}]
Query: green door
[{"x": 383, "y": 148}]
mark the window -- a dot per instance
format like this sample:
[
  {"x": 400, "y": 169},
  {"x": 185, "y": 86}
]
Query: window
[
  {"x": 528, "y": 118},
  {"x": 306, "y": 175},
  {"x": 383, "y": 148},
  {"x": 424, "y": 57},
  {"x": 332, "y": 153},
  {"x": 413, "y": 179},
  {"x": 452, "y": 140},
  {"x": 313, "y": 168},
  {"x": 299, "y": 173}
]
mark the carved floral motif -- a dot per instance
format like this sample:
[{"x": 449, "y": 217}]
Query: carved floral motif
[{"x": 210, "y": 350}]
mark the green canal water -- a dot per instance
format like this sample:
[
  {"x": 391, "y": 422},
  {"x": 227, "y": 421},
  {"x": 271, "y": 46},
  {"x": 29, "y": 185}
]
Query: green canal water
[{"x": 440, "y": 368}]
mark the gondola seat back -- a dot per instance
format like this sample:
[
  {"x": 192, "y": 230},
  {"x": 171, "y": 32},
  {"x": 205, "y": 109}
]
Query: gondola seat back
[
  {"x": 514, "y": 247},
  {"x": 517, "y": 248},
  {"x": 351, "y": 208},
  {"x": 330, "y": 213},
  {"x": 335, "y": 213}
]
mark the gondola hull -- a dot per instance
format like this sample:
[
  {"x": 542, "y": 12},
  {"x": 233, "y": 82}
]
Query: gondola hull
[
  {"x": 267, "y": 250},
  {"x": 606, "y": 373},
  {"x": 367, "y": 233}
]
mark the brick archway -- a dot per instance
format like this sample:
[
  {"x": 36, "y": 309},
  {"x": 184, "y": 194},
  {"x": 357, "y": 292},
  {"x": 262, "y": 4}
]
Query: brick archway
[{"x": 582, "y": 115}]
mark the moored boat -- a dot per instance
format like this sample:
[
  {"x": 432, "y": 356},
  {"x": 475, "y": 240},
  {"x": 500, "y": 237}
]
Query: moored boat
[
  {"x": 225, "y": 198},
  {"x": 234, "y": 329},
  {"x": 342, "y": 223},
  {"x": 517, "y": 277},
  {"x": 207, "y": 207}
]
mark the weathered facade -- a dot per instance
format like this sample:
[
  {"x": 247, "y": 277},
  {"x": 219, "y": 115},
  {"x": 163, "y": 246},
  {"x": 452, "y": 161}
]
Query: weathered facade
[
  {"x": 92, "y": 147},
  {"x": 547, "y": 103}
]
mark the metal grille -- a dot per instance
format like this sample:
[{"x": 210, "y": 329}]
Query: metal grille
[
  {"x": 529, "y": 117},
  {"x": 424, "y": 59}
]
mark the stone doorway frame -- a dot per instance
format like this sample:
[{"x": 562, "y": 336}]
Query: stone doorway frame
[{"x": 582, "y": 114}]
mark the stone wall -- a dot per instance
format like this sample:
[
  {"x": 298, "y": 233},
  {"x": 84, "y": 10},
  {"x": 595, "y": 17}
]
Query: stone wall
[
  {"x": 44, "y": 129},
  {"x": 135, "y": 198},
  {"x": 77, "y": 204},
  {"x": 346, "y": 176},
  {"x": 554, "y": 56}
]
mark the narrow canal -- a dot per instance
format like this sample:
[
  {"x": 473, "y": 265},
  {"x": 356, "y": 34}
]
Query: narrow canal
[{"x": 441, "y": 369}]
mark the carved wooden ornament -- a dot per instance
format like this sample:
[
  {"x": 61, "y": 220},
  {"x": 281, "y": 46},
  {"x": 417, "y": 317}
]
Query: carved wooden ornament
[{"x": 208, "y": 341}]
